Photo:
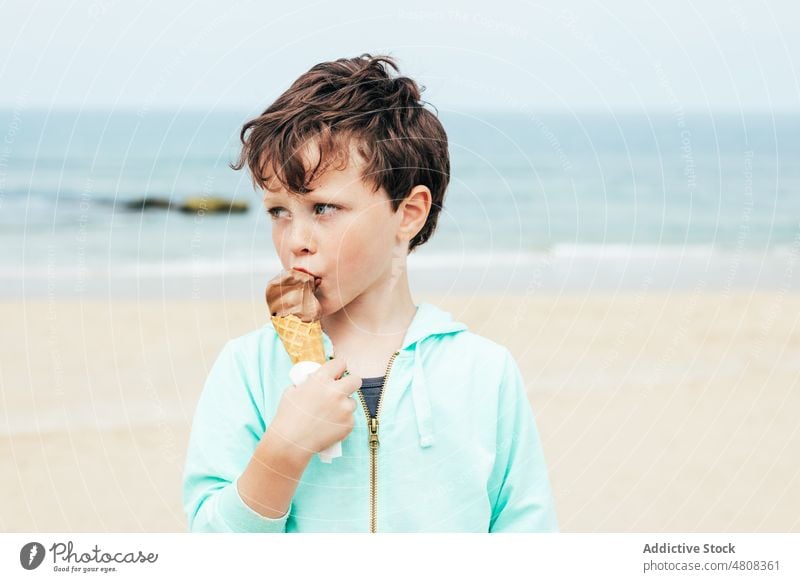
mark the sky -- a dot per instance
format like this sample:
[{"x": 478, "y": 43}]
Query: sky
[{"x": 511, "y": 55}]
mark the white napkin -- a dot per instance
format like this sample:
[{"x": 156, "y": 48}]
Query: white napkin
[{"x": 298, "y": 374}]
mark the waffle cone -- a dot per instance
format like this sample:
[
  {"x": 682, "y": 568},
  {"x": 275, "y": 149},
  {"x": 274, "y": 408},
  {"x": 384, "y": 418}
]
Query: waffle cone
[{"x": 302, "y": 340}]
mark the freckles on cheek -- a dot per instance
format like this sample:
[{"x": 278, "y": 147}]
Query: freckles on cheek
[
  {"x": 280, "y": 246},
  {"x": 347, "y": 253},
  {"x": 353, "y": 256},
  {"x": 276, "y": 241}
]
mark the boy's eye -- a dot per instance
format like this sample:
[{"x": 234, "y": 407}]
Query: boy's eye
[
  {"x": 273, "y": 212},
  {"x": 276, "y": 210},
  {"x": 331, "y": 206}
]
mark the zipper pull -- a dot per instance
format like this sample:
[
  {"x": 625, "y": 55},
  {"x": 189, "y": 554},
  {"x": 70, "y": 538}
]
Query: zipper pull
[{"x": 374, "y": 443}]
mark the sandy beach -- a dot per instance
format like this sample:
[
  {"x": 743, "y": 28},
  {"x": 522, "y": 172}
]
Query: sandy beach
[{"x": 658, "y": 412}]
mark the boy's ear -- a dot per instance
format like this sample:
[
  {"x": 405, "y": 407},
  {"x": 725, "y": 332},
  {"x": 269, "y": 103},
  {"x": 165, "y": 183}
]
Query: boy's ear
[{"x": 414, "y": 212}]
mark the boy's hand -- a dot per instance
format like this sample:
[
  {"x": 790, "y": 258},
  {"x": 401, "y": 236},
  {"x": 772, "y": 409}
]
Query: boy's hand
[{"x": 317, "y": 413}]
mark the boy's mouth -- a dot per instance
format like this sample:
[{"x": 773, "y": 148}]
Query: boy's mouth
[{"x": 317, "y": 280}]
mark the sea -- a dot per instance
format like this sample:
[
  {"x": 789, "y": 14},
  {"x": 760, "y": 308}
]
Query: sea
[{"x": 537, "y": 202}]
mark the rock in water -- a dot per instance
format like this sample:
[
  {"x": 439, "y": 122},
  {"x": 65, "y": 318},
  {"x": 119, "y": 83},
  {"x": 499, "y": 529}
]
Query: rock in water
[
  {"x": 147, "y": 203},
  {"x": 212, "y": 205}
]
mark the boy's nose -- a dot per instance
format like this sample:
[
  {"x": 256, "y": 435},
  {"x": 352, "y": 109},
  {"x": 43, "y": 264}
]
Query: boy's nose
[{"x": 301, "y": 237}]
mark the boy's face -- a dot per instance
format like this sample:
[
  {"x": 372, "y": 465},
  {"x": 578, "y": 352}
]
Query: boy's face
[{"x": 342, "y": 232}]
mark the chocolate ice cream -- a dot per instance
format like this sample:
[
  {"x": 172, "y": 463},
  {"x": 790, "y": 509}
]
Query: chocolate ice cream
[{"x": 292, "y": 293}]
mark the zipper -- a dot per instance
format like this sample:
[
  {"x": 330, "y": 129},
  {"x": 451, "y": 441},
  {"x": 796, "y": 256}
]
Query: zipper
[{"x": 373, "y": 443}]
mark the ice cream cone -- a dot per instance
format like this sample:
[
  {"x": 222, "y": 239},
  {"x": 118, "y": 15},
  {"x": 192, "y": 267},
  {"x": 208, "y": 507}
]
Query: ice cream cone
[
  {"x": 295, "y": 313},
  {"x": 302, "y": 340}
]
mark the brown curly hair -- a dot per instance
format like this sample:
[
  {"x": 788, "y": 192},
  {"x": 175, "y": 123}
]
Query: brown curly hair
[{"x": 348, "y": 103}]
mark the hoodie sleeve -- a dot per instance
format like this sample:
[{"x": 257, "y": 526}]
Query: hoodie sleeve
[
  {"x": 519, "y": 486},
  {"x": 226, "y": 429}
]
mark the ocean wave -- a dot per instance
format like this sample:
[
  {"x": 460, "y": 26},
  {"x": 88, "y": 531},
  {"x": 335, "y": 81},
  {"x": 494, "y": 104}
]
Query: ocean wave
[{"x": 462, "y": 260}]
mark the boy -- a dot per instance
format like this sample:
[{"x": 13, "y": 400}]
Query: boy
[{"x": 436, "y": 429}]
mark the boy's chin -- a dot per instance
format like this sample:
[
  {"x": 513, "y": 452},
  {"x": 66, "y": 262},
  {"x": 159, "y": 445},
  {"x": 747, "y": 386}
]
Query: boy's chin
[
  {"x": 329, "y": 306},
  {"x": 323, "y": 303}
]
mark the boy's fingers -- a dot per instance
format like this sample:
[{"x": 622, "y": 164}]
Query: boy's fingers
[
  {"x": 349, "y": 384},
  {"x": 335, "y": 367}
]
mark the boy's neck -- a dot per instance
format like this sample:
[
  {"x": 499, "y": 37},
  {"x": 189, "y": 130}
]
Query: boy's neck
[{"x": 381, "y": 315}]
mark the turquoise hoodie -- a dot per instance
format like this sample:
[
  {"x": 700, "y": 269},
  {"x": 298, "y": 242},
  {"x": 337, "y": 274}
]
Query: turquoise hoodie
[{"x": 457, "y": 451}]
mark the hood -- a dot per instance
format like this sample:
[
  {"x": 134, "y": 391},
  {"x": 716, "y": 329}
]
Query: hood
[{"x": 429, "y": 323}]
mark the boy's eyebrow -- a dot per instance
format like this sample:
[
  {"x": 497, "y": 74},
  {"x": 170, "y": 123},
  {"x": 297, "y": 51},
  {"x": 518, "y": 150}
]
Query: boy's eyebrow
[
  {"x": 272, "y": 195},
  {"x": 310, "y": 197}
]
